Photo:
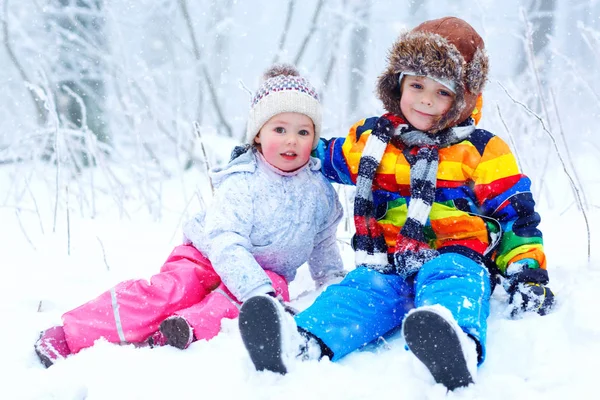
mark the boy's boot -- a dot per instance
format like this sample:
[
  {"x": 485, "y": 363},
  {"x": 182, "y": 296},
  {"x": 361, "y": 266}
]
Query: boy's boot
[
  {"x": 438, "y": 342},
  {"x": 52, "y": 346},
  {"x": 174, "y": 331},
  {"x": 271, "y": 336}
]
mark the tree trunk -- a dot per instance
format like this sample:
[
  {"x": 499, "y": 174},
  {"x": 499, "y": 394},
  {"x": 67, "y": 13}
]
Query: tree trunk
[
  {"x": 541, "y": 17},
  {"x": 79, "y": 74},
  {"x": 358, "y": 54}
]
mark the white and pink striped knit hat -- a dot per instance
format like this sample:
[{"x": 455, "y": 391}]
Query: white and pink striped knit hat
[{"x": 283, "y": 90}]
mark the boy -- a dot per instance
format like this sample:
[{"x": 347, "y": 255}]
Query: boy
[{"x": 440, "y": 208}]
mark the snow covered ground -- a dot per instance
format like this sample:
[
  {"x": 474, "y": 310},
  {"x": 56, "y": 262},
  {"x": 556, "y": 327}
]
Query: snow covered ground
[{"x": 551, "y": 357}]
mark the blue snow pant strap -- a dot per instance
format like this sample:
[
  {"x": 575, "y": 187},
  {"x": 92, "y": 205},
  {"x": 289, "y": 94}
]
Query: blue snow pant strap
[
  {"x": 364, "y": 306},
  {"x": 463, "y": 287}
]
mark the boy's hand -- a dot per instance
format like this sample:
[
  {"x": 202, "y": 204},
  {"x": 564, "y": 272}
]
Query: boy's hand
[
  {"x": 526, "y": 285},
  {"x": 530, "y": 296}
]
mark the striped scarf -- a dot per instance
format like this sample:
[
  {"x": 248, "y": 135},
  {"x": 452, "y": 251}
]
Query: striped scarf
[{"x": 411, "y": 250}]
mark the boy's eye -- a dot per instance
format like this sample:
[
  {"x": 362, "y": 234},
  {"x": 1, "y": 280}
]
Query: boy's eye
[
  {"x": 304, "y": 132},
  {"x": 280, "y": 129}
]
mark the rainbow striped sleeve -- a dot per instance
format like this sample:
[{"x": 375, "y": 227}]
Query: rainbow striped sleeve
[
  {"x": 505, "y": 195},
  {"x": 340, "y": 156}
]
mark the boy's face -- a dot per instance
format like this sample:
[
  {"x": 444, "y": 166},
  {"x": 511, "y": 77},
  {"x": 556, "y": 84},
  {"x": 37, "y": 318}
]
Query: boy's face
[
  {"x": 286, "y": 140},
  {"x": 424, "y": 101}
]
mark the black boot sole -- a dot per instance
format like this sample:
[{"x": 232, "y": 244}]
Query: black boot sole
[
  {"x": 433, "y": 340},
  {"x": 177, "y": 332},
  {"x": 260, "y": 328},
  {"x": 46, "y": 361}
]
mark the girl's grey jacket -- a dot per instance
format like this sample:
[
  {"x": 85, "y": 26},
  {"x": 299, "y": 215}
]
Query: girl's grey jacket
[{"x": 262, "y": 220}]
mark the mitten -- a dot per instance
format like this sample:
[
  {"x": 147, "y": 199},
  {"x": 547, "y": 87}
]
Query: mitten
[
  {"x": 334, "y": 277},
  {"x": 531, "y": 296},
  {"x": 526, "y": 286}
]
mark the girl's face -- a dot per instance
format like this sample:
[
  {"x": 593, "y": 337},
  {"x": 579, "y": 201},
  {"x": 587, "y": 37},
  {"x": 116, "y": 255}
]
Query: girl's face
[
  {"x": 286, "y": 140},
  {"x": 424, "y": 101}
]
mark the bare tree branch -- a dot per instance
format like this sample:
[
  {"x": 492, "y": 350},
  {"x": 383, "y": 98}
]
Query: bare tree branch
[
  {"x": 198, "y": 132},
  {"x": 512, "y": 139},
  {"x": 311, "y": 31},
  {"x": 37, "y": 102},
  {"x": 562, "y": 161},
  {"x": 203, "y": 68},
  {"x": 18, "y": 215},
  {"x": 284, "y": 32},
  {"x": 103, "y": 253},
  {"x": 566, "y": 144}
]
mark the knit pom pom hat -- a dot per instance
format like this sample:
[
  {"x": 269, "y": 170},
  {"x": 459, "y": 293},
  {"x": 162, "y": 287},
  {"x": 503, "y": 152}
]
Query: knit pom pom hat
[
  {"x": 447, "y": 50},
  {"x": 283, "y": 90}
]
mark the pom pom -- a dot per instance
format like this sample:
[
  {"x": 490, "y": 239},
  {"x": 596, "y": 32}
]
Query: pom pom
[{"x": 280, "y": 69}]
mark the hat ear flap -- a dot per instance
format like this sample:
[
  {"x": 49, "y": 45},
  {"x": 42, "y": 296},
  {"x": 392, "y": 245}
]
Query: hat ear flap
[
  {"x": 476, "y": 72},
  {"x": 388, "y": 90}
]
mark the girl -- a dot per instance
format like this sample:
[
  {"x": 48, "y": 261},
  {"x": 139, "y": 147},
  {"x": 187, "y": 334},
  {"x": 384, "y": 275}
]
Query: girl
[{"x": 272, "y": 212}]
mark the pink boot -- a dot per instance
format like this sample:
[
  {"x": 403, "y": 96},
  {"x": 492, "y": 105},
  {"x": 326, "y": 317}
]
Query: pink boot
[
  {"x": 52, "y": 346},
  {"x": 174, "y": 331}
]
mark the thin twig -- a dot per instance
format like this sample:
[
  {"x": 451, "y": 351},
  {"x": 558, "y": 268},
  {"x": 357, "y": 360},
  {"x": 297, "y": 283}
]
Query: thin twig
[
  {"x": 68, "y": 221},
  {"x": 53, "y": 113},
  {"x": 567, "y": 150},
  {"x": 562, "y": 161},
  {"x": 181, "y": 216},
  {"x": 37, "y": 209},
  {"x": 18, "y": 214},
  {"x": 198, "y": 132},
  {"x": 512, "y": 139},
  {"x": 92, "y": 140},
  {"x": 103, "y": 253}
]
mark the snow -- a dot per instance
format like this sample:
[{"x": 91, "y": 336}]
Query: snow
[
  {"x": 551, "y": 357},
  {"x": 53, "y": 261}
]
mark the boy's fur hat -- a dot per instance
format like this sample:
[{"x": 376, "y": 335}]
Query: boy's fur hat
[
  {"x": 447, "y": 49},
  {"x": 283, "y": 90}
]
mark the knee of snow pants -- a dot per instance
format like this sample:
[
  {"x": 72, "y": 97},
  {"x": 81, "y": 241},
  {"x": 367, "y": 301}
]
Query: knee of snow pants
[
  {"x": 363, "y": 307},
  {"x": 206, "y": 316},
  {"x": 186, "y": 256},
  {"x": 463, "y": 287}
]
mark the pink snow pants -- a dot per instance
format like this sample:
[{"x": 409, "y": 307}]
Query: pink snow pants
[{"x": 130, "y": 312}]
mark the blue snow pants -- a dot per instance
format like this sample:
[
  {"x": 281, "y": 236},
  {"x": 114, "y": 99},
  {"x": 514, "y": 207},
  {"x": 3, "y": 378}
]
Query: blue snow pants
[{"x": 368, "y": 304}]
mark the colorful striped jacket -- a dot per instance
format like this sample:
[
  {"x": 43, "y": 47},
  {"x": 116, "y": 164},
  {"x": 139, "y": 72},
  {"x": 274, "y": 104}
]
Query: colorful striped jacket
[{"x": 483, "y": 203}]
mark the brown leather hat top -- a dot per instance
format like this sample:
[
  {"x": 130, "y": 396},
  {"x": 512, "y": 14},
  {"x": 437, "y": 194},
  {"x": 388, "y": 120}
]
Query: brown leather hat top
[
  {"x": 447, "y": 48},
  {"x": 457, "y": 32}
]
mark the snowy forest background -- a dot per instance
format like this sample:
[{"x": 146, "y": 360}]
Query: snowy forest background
[{"x": 111, "y": 111}]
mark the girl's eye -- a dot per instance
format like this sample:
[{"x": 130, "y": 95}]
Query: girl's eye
[
  {"x": 280, "y": 129},
  {"x": 417, "y": 85},
  {"x": 304, "y": 132},
  {"x": 445, "y": 93}
]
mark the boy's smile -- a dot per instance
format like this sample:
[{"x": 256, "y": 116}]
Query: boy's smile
[{"x": 424, "y": 101}]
